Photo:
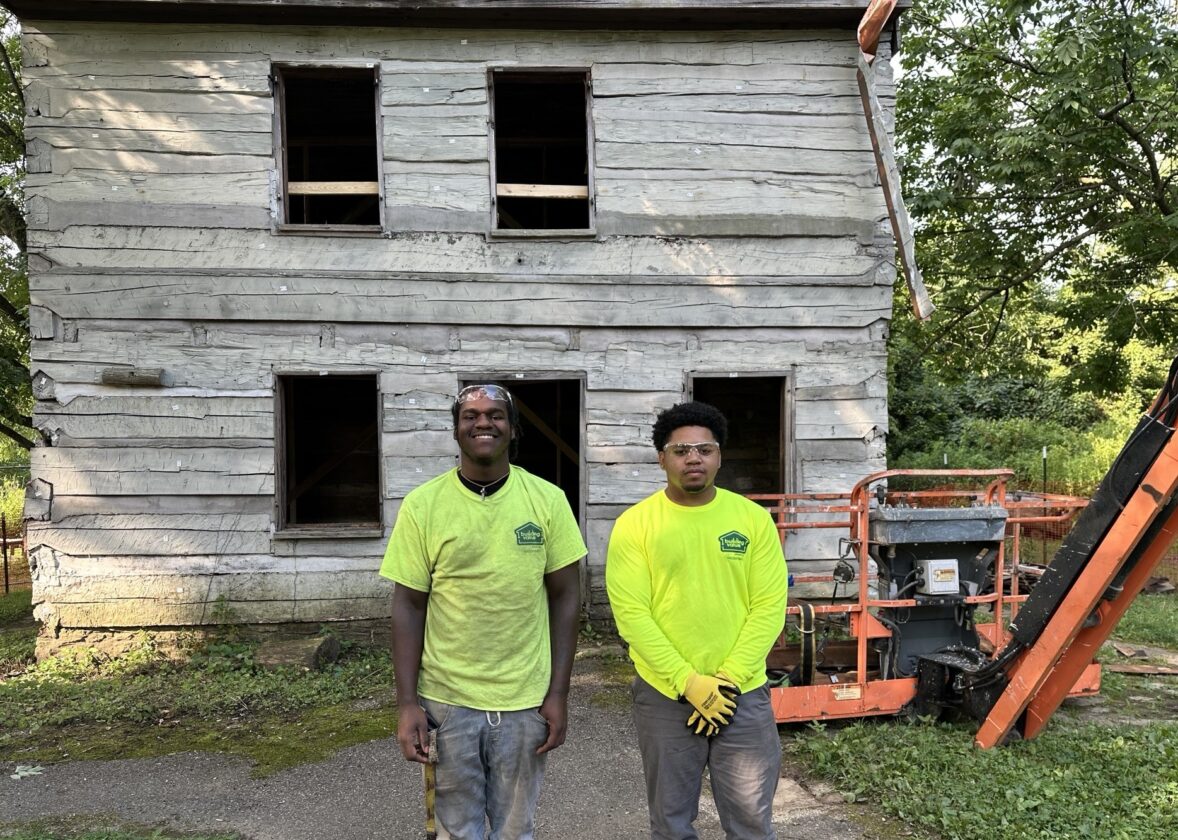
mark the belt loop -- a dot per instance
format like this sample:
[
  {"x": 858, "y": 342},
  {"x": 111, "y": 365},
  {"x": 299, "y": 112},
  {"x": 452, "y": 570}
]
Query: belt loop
[{"x": 497, "y": 720}]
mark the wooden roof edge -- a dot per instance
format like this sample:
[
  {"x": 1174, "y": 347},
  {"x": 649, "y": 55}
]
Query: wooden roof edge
[{"x": 519, "y": 14}]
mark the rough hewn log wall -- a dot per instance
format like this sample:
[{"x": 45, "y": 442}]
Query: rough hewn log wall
[{"x": 739, "y": 224}]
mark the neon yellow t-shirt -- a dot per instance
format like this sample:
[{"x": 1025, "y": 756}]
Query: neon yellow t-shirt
[
  {"x": 697, "y": 589},
  {"x": 483, "y": 562}
]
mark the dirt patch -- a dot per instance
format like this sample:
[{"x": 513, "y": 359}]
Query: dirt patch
[{"x": 1129, "y": 699}]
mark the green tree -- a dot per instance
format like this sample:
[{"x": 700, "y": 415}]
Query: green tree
[
  {"x": 15, "y": 394},
  {"x": 1040, "y": 149}
]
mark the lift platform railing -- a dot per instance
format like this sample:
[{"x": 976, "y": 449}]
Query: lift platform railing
[{"x": 851, "y": 687}]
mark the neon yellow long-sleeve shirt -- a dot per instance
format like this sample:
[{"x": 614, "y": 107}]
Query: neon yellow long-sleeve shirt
[{"x": 697, "y": 589}]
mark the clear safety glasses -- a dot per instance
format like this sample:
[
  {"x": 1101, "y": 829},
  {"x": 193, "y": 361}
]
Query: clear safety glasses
[
  {"x": 681, "y": 450},
  {"x": 478, "y": 392}
]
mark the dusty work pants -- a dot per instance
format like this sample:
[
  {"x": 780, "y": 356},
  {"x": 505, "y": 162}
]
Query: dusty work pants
[
  {"x": 744, "y": 761},
  {"x": 488, "y": 771}
]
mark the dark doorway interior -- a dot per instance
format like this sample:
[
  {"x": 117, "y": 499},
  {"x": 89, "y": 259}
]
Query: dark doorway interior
[{"x": 754, "y": 460}]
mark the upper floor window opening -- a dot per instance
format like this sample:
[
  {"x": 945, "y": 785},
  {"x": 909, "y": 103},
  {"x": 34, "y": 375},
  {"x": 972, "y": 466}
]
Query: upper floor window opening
[
  {"x": 329, "y": 146},
  {"x": 542, "y": 172}
]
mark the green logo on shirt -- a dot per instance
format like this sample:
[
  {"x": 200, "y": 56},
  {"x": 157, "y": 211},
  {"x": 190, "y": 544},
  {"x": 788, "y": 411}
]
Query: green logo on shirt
[
  {"x": 529, "y": 534},
  {"x": 734, "y": 542}
]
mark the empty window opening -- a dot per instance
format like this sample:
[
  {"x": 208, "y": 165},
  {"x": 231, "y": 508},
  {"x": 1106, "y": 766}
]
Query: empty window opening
[
  {"x": 541, "y": 136},
  {"x": 331, "y": 167},
  {"x": 329, "y": 472},
  {"x": 757, "y": 457},
  {"x": 551, "y": 422}
]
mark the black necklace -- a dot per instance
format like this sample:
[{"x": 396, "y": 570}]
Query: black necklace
[{"x": 483, "y": 488}]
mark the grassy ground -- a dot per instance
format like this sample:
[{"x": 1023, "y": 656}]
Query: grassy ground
[
  {"x": 1151, "y": 620},
  {"x": 17, "y": 632},
  {"x": 142, "y": 704},
  {"x": 1104, "y": 767}
]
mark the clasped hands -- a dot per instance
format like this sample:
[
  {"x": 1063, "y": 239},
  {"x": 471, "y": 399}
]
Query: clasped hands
[{"x": 713, "y": 699}]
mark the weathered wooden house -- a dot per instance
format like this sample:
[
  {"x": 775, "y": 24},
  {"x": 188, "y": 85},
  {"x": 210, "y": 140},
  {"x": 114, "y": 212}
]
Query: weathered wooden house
[{"x": 270, "y": 240}]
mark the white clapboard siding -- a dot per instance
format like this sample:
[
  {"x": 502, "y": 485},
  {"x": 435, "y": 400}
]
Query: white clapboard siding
[
  {"x": 103, "y": 535},
  {"x": 840, "y": 418},
  {"x": 223, "y": 76},
  {"x": 430, "y": 301},
  {"x": 770, "y": 130},
  {"x": 212, "y": 188},
  {"x": 83, "y": 163},
  {"x": 66, "y": 507},
  {"x": 64, "y": 100},
  {"x": 403, "y": 472},
  {"x": 119, "y": 416},
  {"x": 505, "y": 47},
  {"x": 464, "y": 85},
  {"x": 615, "y": 159},
  {"x": 132, "y": 471},
  {"x": 145, "y": 249},
  {"x": 152, "y": 131}
]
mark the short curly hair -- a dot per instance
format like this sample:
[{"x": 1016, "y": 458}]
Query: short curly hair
[{"x": 689, "y": 414}]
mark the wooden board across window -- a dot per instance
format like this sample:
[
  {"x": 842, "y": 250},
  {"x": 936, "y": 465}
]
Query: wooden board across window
[
  {"x": 540, "y": 191},
  {"x": 333, "y": 187}
]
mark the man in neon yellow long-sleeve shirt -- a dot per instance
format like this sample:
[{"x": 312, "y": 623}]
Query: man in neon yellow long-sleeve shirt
[{"x": 697, "y": 583}]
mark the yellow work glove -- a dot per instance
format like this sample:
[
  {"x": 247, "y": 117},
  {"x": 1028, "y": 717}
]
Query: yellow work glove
[
  {"x": 701, "y": 726},
  {"x": 714, "y": 699}
]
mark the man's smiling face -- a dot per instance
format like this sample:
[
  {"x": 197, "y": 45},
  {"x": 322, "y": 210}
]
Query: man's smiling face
[{"x": 484, "y": 430}]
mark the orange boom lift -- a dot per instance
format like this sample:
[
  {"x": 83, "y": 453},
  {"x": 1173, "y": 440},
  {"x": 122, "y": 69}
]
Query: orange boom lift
[{"x": 925, "y": 561}]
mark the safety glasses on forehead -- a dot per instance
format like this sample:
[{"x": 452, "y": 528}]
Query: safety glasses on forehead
[
  {"x": 682, "y": 450},
  {"x": 478, "y": 392}
]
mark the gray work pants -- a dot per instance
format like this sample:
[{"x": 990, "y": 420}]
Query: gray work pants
[{"x": 744, "y": 761}]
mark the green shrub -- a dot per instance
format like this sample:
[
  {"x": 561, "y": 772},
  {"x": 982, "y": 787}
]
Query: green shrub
[
  {"x": 12, "y": 502},
  {"x": 1076, "y": 460}
]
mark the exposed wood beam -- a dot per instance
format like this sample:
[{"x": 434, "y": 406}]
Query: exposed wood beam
[
  {"x": 540, "y": 191},
  {"x": 333, "y": 187}
]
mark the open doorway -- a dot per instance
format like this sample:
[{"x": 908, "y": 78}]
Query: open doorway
[
  {"x": 552, "y": 421},
  {"x": 759, "y": 455}
]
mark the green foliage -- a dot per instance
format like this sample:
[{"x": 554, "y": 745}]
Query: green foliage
[
  {"x": 1076, "y": 460},
  {"x": 1074, "y": 781},
  {"x": 16, "y": 399},
  {"x": 1150, "y": 620},
  {"x": 1039, "y": 141},
  {"x": 12, "y": 501},
  {"x": 944, "y": 419}
]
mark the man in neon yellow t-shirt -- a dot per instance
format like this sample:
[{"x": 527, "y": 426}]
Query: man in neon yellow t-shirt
[
  {"x": 485, "y": 612},
  {"x": 697, "y": 583}
]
